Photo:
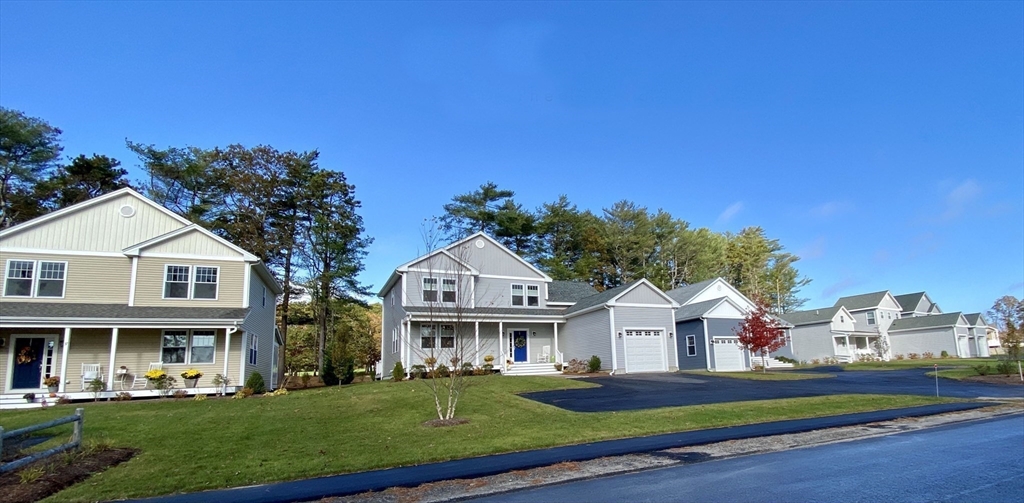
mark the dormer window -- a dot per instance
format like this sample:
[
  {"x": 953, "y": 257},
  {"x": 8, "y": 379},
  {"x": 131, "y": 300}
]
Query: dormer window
[
  {"x": 871, "y": 317},
  {"x": 517, "y": 294}
]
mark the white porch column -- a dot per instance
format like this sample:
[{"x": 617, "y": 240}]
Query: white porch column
[
  {"x": 556, "y": 340},
  {"x": 501, "y": 344},
  {"x": 64, "y": 359},
  {"x": 476, "y": 340},
  {"x": 113, "y": 352},
  {"x": 227, "y": 350}
]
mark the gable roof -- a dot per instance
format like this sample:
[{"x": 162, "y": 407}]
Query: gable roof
[
  {"x": 484, "y": 235},
  {"x": 919, "y": 322},
  {"x": 697, "y": 310},
  {"x": 440, "y": 251},
  {"x": 684, "y": 294},
  {"x": 74, "y": 208},
  {"x": 811, "y": 316},
  {"x": 569, "y": 291},
  {"x": 909, "y": 301},
  {"x": 608, "y": 297},
  {"x": 137, "y": 248},
  {"x": 864, "y": 301},
  {"x": 975, "y": 320}
]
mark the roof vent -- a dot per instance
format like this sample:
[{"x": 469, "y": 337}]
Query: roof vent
[
  {"x": 479, "y": 243},
  {"x": 126, "y": 211},
  {"x": 817, "y": 312}
]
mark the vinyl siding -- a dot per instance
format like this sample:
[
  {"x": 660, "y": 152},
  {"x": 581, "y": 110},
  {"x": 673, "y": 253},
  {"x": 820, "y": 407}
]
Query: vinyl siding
[
  {"x": 642, "y": 294},
  {"x": 643, "y": 317},
  {"x": 149, "y": 287},
  {"x": 495, "y": 261},
  {"x": 587, "y": 335},
  {"x": 696, "y": 329},
  {"x": 192, "y": 243},
  {"x": 920, "y": 341},
  {"x": 94, "y": 280},
  {"x": 811, "y": 342},
  {"x": 98, "y": 228},
  {"x": 261, "y": 321},
  {"x": 492, "y": 292},
  {"x": 535, "y": 343},
  {"x": 391, "y": 318}
]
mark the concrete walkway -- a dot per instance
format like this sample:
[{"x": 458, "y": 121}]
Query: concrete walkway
[{"x": 410, "y": 476}]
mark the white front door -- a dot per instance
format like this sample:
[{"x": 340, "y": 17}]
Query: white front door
[
  {"x": 645, "y": 351},
  {"x": 728, "y": 354}
]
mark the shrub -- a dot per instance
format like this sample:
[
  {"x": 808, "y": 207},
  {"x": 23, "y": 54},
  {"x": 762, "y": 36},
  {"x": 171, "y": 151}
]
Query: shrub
[
  {"x": 1005, "y": 367},
  {"x": 96, "y": 386},
  {"x": 417, "y": 371},
  {"x": 928, "y": 355},
  {"x": 398, "y": 373},
  {"x": 982, "y": 370},
  {"x": 305, "y": 377},
  {"x": 815, "y": 361},
  {"x": 442, "y": 371},
  {"x": 123, "y": 396},
  {"x": 348, "y": 370},
  {"x": 219, "y": 380},
  {"x": 944, "y": 354},
  {"x": 255, "y": 384},
  {"x": 180, "y": 393},
  {"x": 784, "y": 359},
  {"x": 278, "y": 392},
  {"x": 243, "y": 393},
  {"x": 899, "y": 356},
  {"x": 199, "y": 397},
  {"x": 467, "y": 369},
  {"x": 430, "y": 361},
  {"x": 594, "y": 364},
  {"x": 487, "y": 368},
  {"x": 63, "y": 400},
  {"x": 330, "y": 374},
  {"x": 913, "y": 356}
]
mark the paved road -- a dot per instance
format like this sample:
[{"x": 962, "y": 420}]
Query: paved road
[
  {"x": 647, "y": 391},
  {"x": 980, "y": 461}
]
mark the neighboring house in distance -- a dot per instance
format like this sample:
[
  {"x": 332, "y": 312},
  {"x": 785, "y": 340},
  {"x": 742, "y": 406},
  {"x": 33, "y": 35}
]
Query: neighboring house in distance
[
  {"x": 977, "y": 338},
  {"x": 120, "y": 281},
  {"x": 826, "y": 333},
  {"x": 475, "y": 291},
  {"x": 947, "y": 332},
  {"x": 917, "y": 304},
  {"x": 709, "y": 315}
]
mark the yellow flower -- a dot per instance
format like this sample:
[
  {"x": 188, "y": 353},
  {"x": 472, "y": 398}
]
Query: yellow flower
[
  {"x": 191, "y": 374},
  {"x": 155, "y": 374}
]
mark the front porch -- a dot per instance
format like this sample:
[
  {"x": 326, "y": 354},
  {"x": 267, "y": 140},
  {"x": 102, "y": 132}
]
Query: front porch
[{"x": 853, "y": 347}]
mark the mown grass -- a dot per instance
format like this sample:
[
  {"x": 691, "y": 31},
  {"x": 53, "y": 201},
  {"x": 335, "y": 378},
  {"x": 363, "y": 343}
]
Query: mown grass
[
  {"x": 763, "y": 376},
  {"x": 958, "y": 373},
  {"x": 908, "y": 364},
  {"x": 191, "y": 446}
]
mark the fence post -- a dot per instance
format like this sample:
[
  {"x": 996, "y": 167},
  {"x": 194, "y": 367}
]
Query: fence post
[{"x": 76, "y": 437}]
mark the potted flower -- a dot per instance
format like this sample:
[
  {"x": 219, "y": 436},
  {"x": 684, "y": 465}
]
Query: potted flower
[
  {"x": 29, "y": 397},
  {"x": 154, "y": 376},
  {"x": 191, "y": 376},
  {"x": 52, "y": 383}
]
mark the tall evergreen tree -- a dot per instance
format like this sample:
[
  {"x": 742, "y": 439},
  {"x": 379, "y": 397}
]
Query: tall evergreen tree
[{"x": 29, "y": 148}]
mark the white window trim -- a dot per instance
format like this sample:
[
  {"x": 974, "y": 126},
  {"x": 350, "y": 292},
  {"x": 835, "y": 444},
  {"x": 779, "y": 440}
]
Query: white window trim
[
  {"x": 691, "y": 341},
  {"x": 33, "y": 291},
  {"x": 188, "y": 345},
  {"x": 253, "y": 353},
  {"x": 872, "y": 320},
  {"x": 216, "y": 291},
  {"x": 436, "y": 289},
  {"x": 527, "y": 299},
  {"x": 436, "y": 344},
  {"x": 264, "y": 291},
  {"x": 191, "y": 282},
  {"x": 512, "y": 294},
  {"x": 394, "y": 340},
  {"x": 455, "y": 339},
  {"x": 454, "y": 284}
]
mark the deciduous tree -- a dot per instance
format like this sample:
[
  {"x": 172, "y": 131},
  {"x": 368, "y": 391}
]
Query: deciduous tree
[{"x": 761, "y": 333}]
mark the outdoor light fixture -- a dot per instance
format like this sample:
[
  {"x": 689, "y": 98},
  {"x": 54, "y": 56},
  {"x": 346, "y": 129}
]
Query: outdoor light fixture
[
  {"x": 670, "y": 335},
  {"x": 535, "y": 334},
  {"x": 49, "y": 344},
  {"x": 620, "y": 335}
]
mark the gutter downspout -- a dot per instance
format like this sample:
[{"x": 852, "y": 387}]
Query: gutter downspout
[
  {"x": 611, "y": 325},
  {"x": 707, "y": 343}
]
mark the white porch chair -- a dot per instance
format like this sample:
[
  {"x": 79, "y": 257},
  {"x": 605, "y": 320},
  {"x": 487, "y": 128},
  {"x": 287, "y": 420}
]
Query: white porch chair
[
  {"x": 140, "y": 377},
  {"x": 90, "y": 371},
  {"x": 545, "y": 354}
]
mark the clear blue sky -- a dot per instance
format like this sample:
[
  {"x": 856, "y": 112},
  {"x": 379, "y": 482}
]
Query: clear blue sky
[{"x": 883, "y": 142}]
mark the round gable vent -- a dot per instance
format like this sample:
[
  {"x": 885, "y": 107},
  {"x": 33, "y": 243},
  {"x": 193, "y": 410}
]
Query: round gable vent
[
  {"x": 126, "y": 211},
  {"x": 479, "y": 243}
]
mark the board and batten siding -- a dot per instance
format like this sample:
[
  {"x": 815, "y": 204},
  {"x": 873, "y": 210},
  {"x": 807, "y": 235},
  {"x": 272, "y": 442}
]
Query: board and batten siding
[
  {"x": 586, "y": 335},
  {"x": 98, "y": 228},
  {"x": 88, "y": 279},
  {"x": 149, "y": 286},
  {"x": 261, "y": 321}
]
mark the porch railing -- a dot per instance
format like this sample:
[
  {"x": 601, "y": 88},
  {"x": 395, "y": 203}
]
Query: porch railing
[{"x": 76, "y": 439}]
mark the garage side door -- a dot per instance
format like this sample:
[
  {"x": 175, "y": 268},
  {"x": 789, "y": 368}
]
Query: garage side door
[
  {"x": 645, "y": 351},
  {"x": 728, "y": 354}
]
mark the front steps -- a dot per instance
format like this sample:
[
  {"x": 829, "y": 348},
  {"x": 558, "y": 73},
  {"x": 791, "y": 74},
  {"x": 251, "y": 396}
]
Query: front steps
[{"x": 532, "y": 369}]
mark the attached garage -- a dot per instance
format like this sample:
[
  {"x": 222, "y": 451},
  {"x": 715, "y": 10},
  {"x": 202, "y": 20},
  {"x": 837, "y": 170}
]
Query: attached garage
[
  {"x": 645, "y": 351},
  {"x": 965, "y": 346},
  {"x": 728, "y": 354}
]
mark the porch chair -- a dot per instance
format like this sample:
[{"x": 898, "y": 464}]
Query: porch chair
[
  {"x": 140, "y": 377},
  {"x": 545, "y": 354},
  {"x": 90, "y": 371}
]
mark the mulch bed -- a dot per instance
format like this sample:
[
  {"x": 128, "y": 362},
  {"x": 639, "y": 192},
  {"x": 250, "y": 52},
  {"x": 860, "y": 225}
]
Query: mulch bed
[
  {"x": 1012, "y": 379},
  {"x": 59, "y": 475}
]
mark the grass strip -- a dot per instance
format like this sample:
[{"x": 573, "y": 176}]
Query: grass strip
[{"x": 763, "y": 376}]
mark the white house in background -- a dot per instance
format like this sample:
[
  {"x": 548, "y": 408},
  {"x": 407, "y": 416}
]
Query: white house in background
[{"x": 828, "y": 332}]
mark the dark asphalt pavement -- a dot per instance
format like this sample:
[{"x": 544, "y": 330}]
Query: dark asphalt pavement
[
  {"x": 648, "y": 391},
  {"x": 411, "y": 476},
  {"x": 978, "y": 461}
]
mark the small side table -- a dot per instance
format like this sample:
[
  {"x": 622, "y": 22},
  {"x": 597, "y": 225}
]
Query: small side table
[{"x": 121, "y": 375}]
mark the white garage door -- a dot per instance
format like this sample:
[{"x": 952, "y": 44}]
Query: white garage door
[
  {"x": 965, "y": 347},
  {"x": 728, "y": 354},
  {"x": 645, "y": 351}
]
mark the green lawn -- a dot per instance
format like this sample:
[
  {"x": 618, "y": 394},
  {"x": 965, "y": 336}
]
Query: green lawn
[
  {"x": 908, "y": 364},
  {"x": 958, "y": 373},
  {"x": 191, "y": 446},
  {"x": 763, "y": 376}
]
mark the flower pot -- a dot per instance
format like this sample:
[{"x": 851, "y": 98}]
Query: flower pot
[
  {"x": 52, "y": 389},
  {"x": 150, "y": 384},
  {"x": 191, "y": 383}
]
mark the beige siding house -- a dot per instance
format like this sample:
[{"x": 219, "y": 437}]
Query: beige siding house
[{"x": 121, "y": 283}]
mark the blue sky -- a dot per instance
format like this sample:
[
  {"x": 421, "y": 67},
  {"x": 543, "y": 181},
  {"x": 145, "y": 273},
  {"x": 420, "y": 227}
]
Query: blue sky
[{"x": 882, "y": 142}]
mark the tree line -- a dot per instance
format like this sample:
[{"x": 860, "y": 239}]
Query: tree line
[
  {"x": 627, "y": 242},
  {"x": 299, "y": 218}
]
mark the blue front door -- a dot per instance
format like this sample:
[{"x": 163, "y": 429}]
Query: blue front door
[
  {"x": 28, "y": 362},
  {"x": 519, "y": 346}
]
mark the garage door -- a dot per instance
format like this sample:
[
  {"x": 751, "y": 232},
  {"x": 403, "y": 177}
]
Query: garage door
[
  {"x": 965, "y": 347},
  {"x": 645, "y": 351},
  {"x": 728, "y": 354}
]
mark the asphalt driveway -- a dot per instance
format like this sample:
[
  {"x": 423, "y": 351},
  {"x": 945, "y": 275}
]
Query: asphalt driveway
[{"x": 649, "y": 391}]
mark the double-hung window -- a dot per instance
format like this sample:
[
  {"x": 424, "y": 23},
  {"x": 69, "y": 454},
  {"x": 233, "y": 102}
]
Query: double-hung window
[
  {"x": 691, "y": 345},
  {"x": 184, "y": 346},
  {"x": 394, "y": 340},
  {"x": 447, "y": 336},
  {"x": 429, "y": 289},
  {"x": 448, "y": 292},
  {"x": 188, "y": 282},
  {"x": 532, "y": 295},
  {"x": 871, "y": 317},
  {"x": 428, "y": 335},
  {"x": 254, "y": 342},
  {"x": 517, "y": 294},
  {"x": 31, "y": 278}
]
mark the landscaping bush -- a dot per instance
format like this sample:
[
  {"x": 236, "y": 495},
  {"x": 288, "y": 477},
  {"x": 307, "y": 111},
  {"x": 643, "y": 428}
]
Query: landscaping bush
[
  {"x": 913, "y": 356},
  {"x": 255, "y": 384},
  {"x": 398, "y": 373},
  {"x": 1005, "y": 367},
  {"x": 594, "y": 364},
  {"x": 815, "y": 361},
  {"x": 243, "y": 393},
  {"x": 982, "y": 370},
  {"x": 305, "y": 379},
  {"x": 348, "y": 370},
  {"x": 487, "y": 368},
  {"x": 944, "y": 354},
  {"x": 467, "y": 369},
  {"x": 200, "y": 397},
  {"x": 928, "y": 355},
  {"x": 442, "y": 371},
  {"x": 330, "y": 374},
  {"x": 899, "y": 356},
  {"x": 784, "y": 359},
  {"x": 418, "y": 371},
  {"x": 180, "y": 393},
  {"x": 123, "y": 396}
]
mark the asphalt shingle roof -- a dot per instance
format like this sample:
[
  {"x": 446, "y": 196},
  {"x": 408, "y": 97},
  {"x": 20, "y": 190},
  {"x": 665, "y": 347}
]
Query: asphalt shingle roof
[
  {"x": 909, "y": 301},
  {"x": 569, "y": 291},
  {"x": 932, "y": 321},
  {"x": 683, "y": 294},
  {"x": 863, "y": 301},
  {"x": 811, "y": 316},
  {"x": 502, "y": 311},
  {"x": 974, "y": 319},
  {"x": 696, "y": 310},
  {"x": 599, "y": 298},
  {"x": 49, "y": 310}
]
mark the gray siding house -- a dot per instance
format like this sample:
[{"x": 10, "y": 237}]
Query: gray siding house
[{"x": 474, "y": 301}]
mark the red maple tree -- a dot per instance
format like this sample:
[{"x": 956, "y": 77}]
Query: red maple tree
[{"x": 761, "y": 333}]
